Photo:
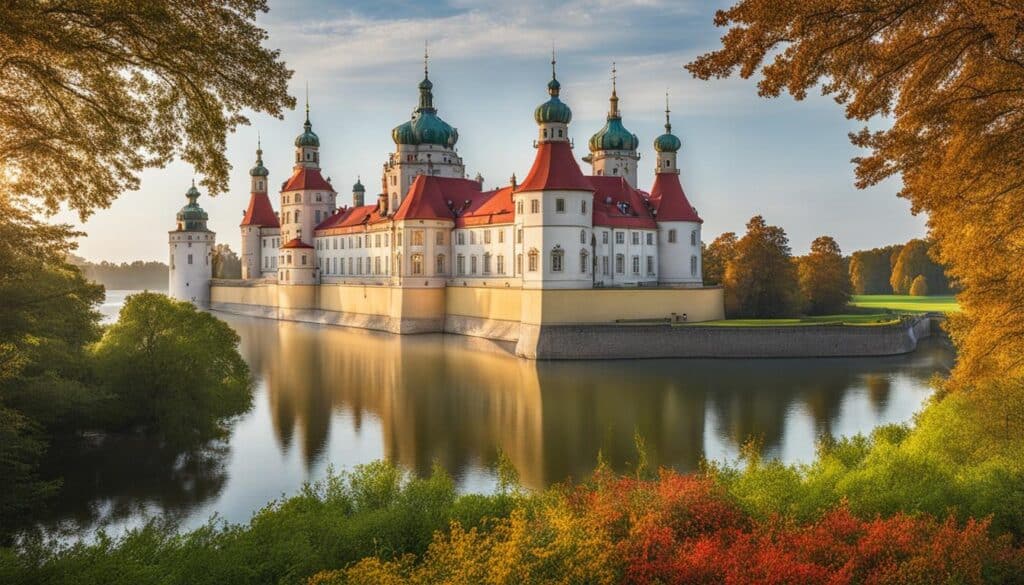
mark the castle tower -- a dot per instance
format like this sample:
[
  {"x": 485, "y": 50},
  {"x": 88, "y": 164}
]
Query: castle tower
[
  {"x": 306, "y": 198},
  {"x": 358, "y": 194},
  {"x": 679, "y": 226},
  {"x": 191, "y": 250},
  {"x": 425, "y": 145},
  {"x": 554, "y": 205},
  {"x": 259, "y": 220},
  {"x": 613, "y": 149}
]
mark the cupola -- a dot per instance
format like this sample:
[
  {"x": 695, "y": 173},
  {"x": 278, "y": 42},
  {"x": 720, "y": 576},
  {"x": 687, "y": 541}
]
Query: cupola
[
  {"x": 667, "y": 145},
  {"x": 425, "y": 127},
  {"x": 192, "y": 217},
  {"x": 614, "y": 135},
  {"x": 553, "y": 116}
]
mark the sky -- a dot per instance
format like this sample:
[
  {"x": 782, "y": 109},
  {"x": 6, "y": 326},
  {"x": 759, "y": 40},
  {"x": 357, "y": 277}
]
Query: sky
[{"x": 490, "y": 61}]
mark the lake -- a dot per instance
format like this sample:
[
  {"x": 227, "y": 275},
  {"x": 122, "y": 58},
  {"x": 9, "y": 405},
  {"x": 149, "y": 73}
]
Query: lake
[{"x": 334, "y": 397}]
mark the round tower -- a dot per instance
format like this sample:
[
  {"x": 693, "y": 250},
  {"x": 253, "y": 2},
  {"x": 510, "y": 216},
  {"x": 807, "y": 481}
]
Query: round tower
[
  {"x": 191, "y": 253},
  {"x": 613, "y": 149},
  {"x": 358, "y": 194}
]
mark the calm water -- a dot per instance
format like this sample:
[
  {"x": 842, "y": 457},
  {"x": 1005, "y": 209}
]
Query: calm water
[{"x": 339, "y": 397}]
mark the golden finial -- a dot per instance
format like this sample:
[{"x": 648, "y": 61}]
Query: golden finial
[{"x": 307, "y": 102}]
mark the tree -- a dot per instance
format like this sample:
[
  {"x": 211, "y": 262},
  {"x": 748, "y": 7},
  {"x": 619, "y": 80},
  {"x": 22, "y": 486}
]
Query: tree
[
  {"x": 761, "y": 280},
  {"x": 226, "y": 264},
  {"x": 824, "y": 279},
  {"x": 94, "y": 92},
  {"x": 175, "y": 372},
  {"x": 913, "y": 261},
  {"x": 871, "y": 270},
  {"x": 948, "y": 77},
  {"x": 717, "y": 256},
  {"x": 919, "y": 288}
]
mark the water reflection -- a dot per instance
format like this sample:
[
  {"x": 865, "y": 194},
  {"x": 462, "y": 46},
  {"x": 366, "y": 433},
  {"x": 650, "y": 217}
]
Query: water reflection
[{"x": 457, "y": 401}]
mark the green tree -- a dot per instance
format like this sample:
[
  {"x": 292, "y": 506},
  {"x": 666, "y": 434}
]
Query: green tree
[
  {"x": 761, "y": 279},
  {"x": 717, "y": 256},
  {"x": 226, "y": 264},
  {"x": 94, "y": 92},
  {"x": 824, "y": 278},
  {"x": 173, "y": 371},
  {"x": 919, "y": 288},
  {"x": 945, "y": 80},
  {"x": 871, "y": 270}
]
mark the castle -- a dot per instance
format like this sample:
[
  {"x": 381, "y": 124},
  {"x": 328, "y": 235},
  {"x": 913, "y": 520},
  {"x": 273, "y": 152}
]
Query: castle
[{"x": 432, "y": 228}]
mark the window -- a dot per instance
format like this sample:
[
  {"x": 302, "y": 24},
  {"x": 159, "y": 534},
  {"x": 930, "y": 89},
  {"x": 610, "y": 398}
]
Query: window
[
  {"x": 417, "y": 263},
  {"x": 343, "y": 242},
  {"x": 319, "y": 197},
  {"x": 636, "y": 265},
  {"x": 366, "y": 240},
  {"x": 350, "y": 271},
  {"x": 359, "y": 266},
  {"x": 671, "y": 236},
  {"x": 650, "y": 238},
  {"x": 264, "y": 243},
  {"x": 190, "y": 258},
  {"x": 460, "y": 264},
  {"x": 317, "y": 215},
  {"x": 635, "y": 238},
  {"x": 584, "y": 257},
  {"x": 487, "y": 263},
  {"x": 583, "y": 207},
  {"x": 693, "y": 265},
  {"x": 693, "y": 238},
  {"x": 472, "y": 265},
  {"x": 519, "y": 236},
  {"x": 439, "y": 267},
  {"x": 501, "y": 263},
  {"x": 297, "y": 216},
  {"x": 604, "y": 237},
  {"x": 557, "y": 258},
  {"x": 472, "y": 237},
  {"x": 398, "y": 239},
  {"x": 620, "y": 237},
  {"x": 533, "y": 260},
  {"x": 376, "y": 265},
  {"x": 501, "y": 236},
  {"x": 439, "y": 238},
  {"x": 304, "y": 257},
  {"x": 604, "y": 265},
  {"x": 560, "y": 205},
  {"x": 462, "y": 238},
  {"x": 519, "y": 263},
  {"x": 376, "y": 241},
  {"x": 650, "y": 265},
  {"x": 583, "y": 236},
  {"x": 519, "y": 207},
  {"x": 487, "y": 236},
  {"x": 298, "y": 197},
  {"x": 335, "y": 271},
  {"x": 342, "y": 272},
  {"x": 620, "y": 264},
  {"x": 535, "y": 206},
  {"x": 417, "y": 237}
]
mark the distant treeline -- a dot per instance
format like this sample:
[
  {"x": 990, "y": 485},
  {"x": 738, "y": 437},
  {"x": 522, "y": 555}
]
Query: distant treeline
[
  {"x": 136, "y": 275},
  {"x": 894, "y": 270}
]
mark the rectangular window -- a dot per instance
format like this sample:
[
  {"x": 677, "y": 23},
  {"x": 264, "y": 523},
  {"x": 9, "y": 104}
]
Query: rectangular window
[
  {"x": 671, "y": 236},
  {"x": 534, "y": 206},
  {"x": 620, "y": 237},
  {"x": 501, "y": 236},
  {"x": 350, "y": 271},
  {"x": 376, "y": 241},
  {"x": 460, "y": 264},
  {"x": 693, "y": 238},
  {"x": 501, "y": 263},
  {"x": 519, "y": 263},
  {"x": 366, "y": 240},
  {"x": 583, "y": 262},
  {"x": 472, "y": 238},
  {"x": 650, "y": 265},
  {"x": 560, "y": 205},
  {"x": 604, "y": 237},
  {"x": 472, "y": 264},
  {"x": 533, "y": 261},
  {"x": 556, "y": 261},
  {"x": 417, "y": 237},
  {"x": 439, "y": 238},
  {"x": 440, "y": 263},
  {"x": 462, "y": 238},
  {"x": 303, "y": 259},
  {"x": 620, "y": 264},
  {"x": 650, "y": 239},
  {"x": 190, "y": 258},
  {"x": 519, "y": 207},
  {"x": 487, "y": 236},
  {"x": 376, "y": 265},
  {"x": 693, "y": 266},
  {"x": 636, "y": 265},
  {"x": 604, "y": 265},
  {"x": 487, "y": 263},
  {"x": 519, "y": 237},
  {"x": 635, "y": 238},
  {"x": 583, "y": 207}
]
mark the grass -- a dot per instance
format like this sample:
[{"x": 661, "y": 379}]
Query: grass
[
  {"x": 845, "y": 319},
  {"x": 907, "y": 304}
]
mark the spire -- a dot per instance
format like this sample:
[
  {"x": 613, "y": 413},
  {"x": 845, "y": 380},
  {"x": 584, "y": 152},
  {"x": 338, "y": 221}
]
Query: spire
[
  {"x": 426, "y": 59},
  {"x": 259, "y": 148},
  {"x": 613, "y": 110},
  {"x": 668, "y": 123},
  {"x": 307, "y": 106},
  {"x": 426, "y": 95},
  {"x": 553, "y": 85}
]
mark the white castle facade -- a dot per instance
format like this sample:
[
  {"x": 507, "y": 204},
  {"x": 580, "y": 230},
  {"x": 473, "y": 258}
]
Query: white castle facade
[{"x": 432, "y": 227}]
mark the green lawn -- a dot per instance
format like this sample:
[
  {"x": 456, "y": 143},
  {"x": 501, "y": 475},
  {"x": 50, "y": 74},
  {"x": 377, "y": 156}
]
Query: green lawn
[
  {"x": 907, "y": 304},
  {"x": 851, "y": 319}
]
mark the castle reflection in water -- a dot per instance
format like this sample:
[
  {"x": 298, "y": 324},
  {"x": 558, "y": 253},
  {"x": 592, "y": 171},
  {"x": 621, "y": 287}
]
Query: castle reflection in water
[{"x": 457, "y": 401}]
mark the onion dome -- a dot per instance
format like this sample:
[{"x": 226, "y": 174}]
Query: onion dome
[
  {"x": 358, "y": 187},
  {"x": 553, "y": 110},
  {"x": 667, "y": 142},
  {"x": 425, "y": 127},
  {"x": 614, "y": 135},
  {"x": 192, "y": 216},
  {"x": 259, "y": 170},
  {"x": 308, "y": 137}
]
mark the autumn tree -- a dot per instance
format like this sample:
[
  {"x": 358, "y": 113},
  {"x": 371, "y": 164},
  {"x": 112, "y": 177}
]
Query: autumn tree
[
  {"x": 919, "y": 288},
  {"x": 761, "y": 280},
  {"x": 824, "y": 280},
  {"x": 225, "y": 263},
  {"x": 948, "y": 77},
  {"x": 717, "y": 256},
  {"x": 871, "y": 270},
  {"x": 94, "y": 92},
  {"x": 913, "y": 261}
]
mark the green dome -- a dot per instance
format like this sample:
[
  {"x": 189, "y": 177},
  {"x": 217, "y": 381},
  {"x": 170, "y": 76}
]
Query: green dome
[
  {"x": 259, "y": 170},
  {"x": 552, "y": 111},
  {"x": 358, "y": 187},
  {"x": 667, "y": 142},
  {"x": 614, "y": 136},
  {"x": 308, "y": 137},
  {"x": 192, "y": 216},
  {"x": 425, "y": 128}
]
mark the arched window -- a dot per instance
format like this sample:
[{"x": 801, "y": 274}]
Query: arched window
[
  {"x": 533, "y": 260},
  {"x": 417, "y": 264},
  {"x": 557, "y": 259},
  {"x": 693, "y": 265},
  {"x": 559, "y": 132},
  {"x": 297, "y": 216},
  {"x": 545, "y": 133},
  {"x": 583, "y": 236},
  {"x": 693, "y": 238},
  {"x": 584, "y": 261},
  {"x": 298, "y": 197}
]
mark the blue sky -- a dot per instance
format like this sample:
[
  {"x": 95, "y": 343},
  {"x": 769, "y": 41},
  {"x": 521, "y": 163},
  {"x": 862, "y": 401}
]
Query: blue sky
[{"x": 742, "y": 155}]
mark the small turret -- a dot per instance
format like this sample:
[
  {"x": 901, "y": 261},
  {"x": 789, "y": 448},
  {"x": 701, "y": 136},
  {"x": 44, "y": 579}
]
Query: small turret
[
  {"x": 613, "y": 149},
  {"x": 553, "y": 116},
  {"x": 191, "y": 248},
  {"x": 667, "y": 146},
  {"x": 358, "y": 193},
  {"x": 307, "y": 144}
]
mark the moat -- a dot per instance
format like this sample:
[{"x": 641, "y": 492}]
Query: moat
[{"x": 332, "y": 396}]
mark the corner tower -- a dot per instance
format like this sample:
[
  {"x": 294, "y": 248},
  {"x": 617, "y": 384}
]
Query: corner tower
[
  {"x": 613, "y": 149},
  {"x": 191, "y": 249},
  {"x": 259, "y": 220},
  {"x": 554, "y": 205},
  {"x": 425, "y": 145}
]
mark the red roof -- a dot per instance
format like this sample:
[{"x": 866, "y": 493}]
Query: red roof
[
  {"x": 296, "y": 243},
  {"x": 617, "y": 204},
  {"x": 489, "y": 208},
  {"x": 429, "y": 197},
  {"x": 668, "y": 198},
  {"x": 555, "y": 168},
  {"x": 350, "y": 219},
  {"x": 260, "y": 212},
  {"x": 305, "y": 179}
]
